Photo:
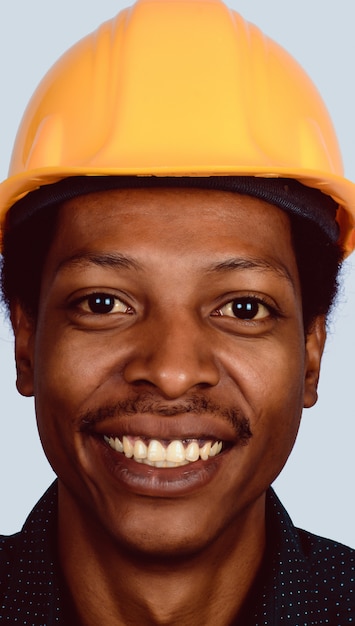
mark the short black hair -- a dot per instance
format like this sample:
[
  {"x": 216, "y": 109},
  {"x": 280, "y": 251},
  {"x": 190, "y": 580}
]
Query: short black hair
[
  {"x": 319, "y": 262},
  {"x": 25, "y": 249},
  {"x": 26, "y": 244}
]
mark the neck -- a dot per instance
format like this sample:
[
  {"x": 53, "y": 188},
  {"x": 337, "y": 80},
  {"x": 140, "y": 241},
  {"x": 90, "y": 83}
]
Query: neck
[{"x": 111, "y": 586}]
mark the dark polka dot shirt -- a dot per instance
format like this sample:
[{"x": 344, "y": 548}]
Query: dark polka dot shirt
[{"x": 305, "y": 580}]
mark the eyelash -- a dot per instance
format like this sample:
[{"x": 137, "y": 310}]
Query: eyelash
[
  {"x": 105, "y": 302},
  {"x": 248, "y": 304}
]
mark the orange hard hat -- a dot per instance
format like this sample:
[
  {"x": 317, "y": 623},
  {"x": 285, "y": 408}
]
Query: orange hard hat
[{"x": 179, "y": 88}]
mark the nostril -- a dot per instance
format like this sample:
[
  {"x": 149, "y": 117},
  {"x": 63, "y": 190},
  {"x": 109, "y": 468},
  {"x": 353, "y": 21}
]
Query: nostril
[
  {"x": 173, "y": 381},
  {"x": 171, "y": 353}
]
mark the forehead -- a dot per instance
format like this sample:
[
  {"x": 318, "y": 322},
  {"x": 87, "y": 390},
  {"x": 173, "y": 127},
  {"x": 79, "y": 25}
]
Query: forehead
[
  {"x": 191, "y": 210},
  {"x": 191, "y": 223},
  {"x": 184, "y": 236}
]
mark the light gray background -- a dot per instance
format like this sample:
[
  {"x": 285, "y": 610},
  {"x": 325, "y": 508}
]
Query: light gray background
[{"x": 317, "y": 484}]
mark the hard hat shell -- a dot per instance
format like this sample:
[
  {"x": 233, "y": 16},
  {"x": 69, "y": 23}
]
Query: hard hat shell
[{"x": 179, "y": 88}]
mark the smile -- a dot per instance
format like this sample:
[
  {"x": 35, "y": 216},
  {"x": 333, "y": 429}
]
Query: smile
[{"x": 164, "y": 454}]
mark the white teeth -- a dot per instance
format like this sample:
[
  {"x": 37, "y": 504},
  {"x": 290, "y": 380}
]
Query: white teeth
[
  {"x": 214, "y": 449},
  {"x": 175, "y": 452},
  {"x": 205, "y": 451},
  {"x": 139, "y": 450},
  {"x": 118, "y": 445},
  {"x": 127, "y": 447},
  {"x": 160, "y": 464},
  {"x": 156, "y": 451},
  {"x": 192, "y": 452},
  {"x": 156, "y": 455}
]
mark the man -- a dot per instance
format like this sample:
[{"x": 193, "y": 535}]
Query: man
[{"x": 173, "y": 224}]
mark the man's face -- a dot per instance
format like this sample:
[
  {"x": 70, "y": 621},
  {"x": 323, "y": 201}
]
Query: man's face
[{"x": 168, "y": 316}]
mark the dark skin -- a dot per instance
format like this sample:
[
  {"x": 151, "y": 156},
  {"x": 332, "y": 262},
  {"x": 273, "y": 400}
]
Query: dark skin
[{"x": 201, "y": 334}]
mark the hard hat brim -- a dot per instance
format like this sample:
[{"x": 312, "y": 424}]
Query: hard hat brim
[{"x": 338, "y": 188}]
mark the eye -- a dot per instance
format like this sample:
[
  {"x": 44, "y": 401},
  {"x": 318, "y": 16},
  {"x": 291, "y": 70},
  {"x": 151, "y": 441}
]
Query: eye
[
  {"x": 246, "y": 308},
  {"x": 103, "y": 303}
]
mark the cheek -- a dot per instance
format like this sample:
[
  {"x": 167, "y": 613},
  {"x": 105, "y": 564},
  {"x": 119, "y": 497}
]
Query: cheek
[
  {"x": 71, "y": 368},
  {"x": 64, "y": 379},
  {"x": 71, "y": 376},
  {"x": 271, "y": 396},
  {"x": 268, "y": 379}
]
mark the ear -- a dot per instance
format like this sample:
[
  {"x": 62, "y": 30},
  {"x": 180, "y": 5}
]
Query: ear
[
  {"x": 24, "y": 330},
  {"x": 315, "y": 341}
]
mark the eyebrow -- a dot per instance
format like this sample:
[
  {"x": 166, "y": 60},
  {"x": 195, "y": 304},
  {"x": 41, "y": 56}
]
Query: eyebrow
[
  {"x": 116, "y": 261},
  {"x": 113, "y": 260},
  {"x": 252, "y": 263}
]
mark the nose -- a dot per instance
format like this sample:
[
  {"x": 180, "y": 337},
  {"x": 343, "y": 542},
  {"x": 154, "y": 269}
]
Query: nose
[{"x": 173, "y": 355}]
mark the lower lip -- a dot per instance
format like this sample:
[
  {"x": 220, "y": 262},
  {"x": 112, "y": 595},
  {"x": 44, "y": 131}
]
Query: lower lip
[{"x": 146, "y": 480}]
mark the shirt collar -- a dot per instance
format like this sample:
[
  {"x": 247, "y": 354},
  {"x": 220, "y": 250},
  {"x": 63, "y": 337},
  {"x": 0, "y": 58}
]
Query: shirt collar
[{"x": 35, "y": 583}]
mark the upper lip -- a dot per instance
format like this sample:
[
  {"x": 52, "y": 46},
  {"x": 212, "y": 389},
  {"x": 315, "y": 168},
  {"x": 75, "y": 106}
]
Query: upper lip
[{"x": 181, "y": 427}]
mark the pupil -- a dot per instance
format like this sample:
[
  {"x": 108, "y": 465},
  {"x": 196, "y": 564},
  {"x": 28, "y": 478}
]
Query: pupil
[
  {"x": 101, "y": 303},
  {"x": 245, "y": 309}
]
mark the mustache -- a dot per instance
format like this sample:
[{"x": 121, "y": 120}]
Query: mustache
[{"x": 148, "y": 405}]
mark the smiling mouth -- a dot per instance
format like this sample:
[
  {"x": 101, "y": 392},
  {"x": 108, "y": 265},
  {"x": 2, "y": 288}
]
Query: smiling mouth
[{"x": 162, "y": 453}]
